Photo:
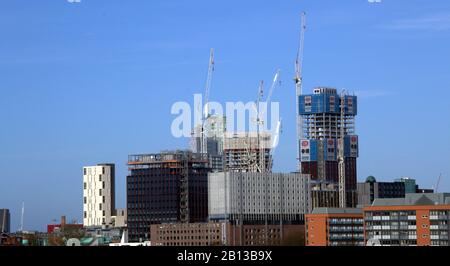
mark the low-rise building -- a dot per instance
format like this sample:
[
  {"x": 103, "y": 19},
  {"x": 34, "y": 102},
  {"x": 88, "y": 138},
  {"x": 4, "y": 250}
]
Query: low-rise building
[
  {"x": 62, "y": 226},
  {"x": 225, "y": 234},
  {"x": 335, "y": 227},
  {"x": 416, "y": 220}
]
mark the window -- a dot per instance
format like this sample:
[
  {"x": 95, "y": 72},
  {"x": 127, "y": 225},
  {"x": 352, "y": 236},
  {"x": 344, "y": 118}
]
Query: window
[
  {"x": 103, "y": 170},
  {"x": 424, "y": 225},
  {"x": 103, "y": 199},
  {"x": 85, "y": 200},
  {"x": 84, "y": 171},
  {"x": 100, "y": 206},
  {"x": 99, "y": 192},
  {"x": 103, "y": 185},
  {"x": 85, "y": 185},
  {"x": 99, "y": 177}
]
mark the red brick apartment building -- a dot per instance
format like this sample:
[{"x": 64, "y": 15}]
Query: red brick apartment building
[
  {"x": 335, "y": 227},
  {"x": 416, "y": 220}
]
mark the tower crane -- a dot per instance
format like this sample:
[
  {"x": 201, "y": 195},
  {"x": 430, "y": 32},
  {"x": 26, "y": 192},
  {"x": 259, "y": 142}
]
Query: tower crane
[
  {"x": 341, "y": 159},
  {"x": 259, "y": 116},
  {"x": 259, "y": 120},
  {"x": 205, "y": 111},
  {"x": 299, "y": 83},
  {"x": 437, "y": 183}
]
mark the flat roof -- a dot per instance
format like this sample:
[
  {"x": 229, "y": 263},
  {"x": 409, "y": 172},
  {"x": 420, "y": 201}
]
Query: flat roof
[
  {"x": 337, "y": 211},
  {"x": 415, "y": 199}
]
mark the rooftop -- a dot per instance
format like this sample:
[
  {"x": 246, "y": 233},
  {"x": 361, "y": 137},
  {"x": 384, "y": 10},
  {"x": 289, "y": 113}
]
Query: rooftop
[
  {"x": 337, "y": 211},
  {"x": 415, "y": 199},
  {"x": 166, "y": 156}
]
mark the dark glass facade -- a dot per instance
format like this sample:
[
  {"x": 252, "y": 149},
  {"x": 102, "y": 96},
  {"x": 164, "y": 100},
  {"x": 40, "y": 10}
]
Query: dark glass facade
[{"x": 155, "y": 193}]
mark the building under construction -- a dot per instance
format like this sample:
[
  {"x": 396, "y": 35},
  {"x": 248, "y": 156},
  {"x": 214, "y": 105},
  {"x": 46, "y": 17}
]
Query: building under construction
[
  {"x": 327, "y": 138},
  {"x": 209, "y": 138},
  {"x": 248, "y": 152},
  {"x": 167, "y": 187}
]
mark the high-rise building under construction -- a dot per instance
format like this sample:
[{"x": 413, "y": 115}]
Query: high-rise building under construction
[
  {"x": 248, "y": 152},
  {"x": 325, "y": 116},
  {"x": 211, "y": 136}
]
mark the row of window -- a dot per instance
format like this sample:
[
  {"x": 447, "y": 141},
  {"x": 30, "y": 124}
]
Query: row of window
[
  {"x": 180, "y": 244},
  {"x": 391, "y": 223},
  {"x": 86, "y": 216},
  {"x": 398, "y": 242},
  {"x": 388, "y": 233},
  {"x": 89, "y": 171},
  {"x": 204, "y": 231},
  {"x": 188, "y": 237},
  {"x": 346, "y": 221},
  {"x": 390, "y": 213},
  {"x": 103, "y": 200},
  {"x": 85, "y": 185}
]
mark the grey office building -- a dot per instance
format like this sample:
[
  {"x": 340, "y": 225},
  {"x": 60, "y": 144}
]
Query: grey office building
[
  {"x": 371, "y": 190},
  {"x": 258, "y": 197}
]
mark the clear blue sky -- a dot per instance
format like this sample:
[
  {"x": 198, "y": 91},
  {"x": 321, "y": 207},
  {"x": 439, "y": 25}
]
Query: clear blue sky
[{"x": 91, "y": 82}]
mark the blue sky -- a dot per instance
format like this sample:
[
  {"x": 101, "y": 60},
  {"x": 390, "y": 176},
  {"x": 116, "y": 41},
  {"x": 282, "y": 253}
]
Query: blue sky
[{"x": 91, "y": 82}]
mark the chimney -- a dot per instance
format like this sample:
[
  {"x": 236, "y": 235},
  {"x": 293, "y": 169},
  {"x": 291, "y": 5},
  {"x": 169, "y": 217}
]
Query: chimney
[{"x": 63, "y": 221}]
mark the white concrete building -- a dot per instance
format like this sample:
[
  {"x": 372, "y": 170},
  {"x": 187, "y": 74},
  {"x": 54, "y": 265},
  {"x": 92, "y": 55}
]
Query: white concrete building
[
  {"x": 98, "y": 195},
  {"x": 256, "y": 197},
  {"x": 120, "y": 220}
]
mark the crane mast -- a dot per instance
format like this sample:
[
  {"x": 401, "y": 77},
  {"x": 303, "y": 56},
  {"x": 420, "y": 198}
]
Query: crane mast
[
  {"x": 299, "y": 83},
  {"x": 341, "y": 160},
  {"x": 206, "y": 113},
  {"x": 260, "y": 163},
  {"x": 437, "y": 183}
]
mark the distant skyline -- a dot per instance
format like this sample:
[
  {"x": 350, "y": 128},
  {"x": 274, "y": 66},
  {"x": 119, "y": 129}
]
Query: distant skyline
[{"x": 92, "y": 82}]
